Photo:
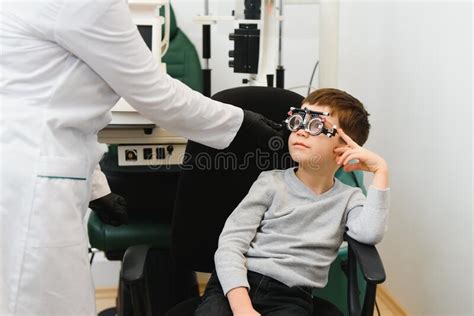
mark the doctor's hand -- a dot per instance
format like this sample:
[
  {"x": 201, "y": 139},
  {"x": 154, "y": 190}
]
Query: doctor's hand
[
  {"x": 264, "y": 132},
  {"x": 111, "y": 209}
]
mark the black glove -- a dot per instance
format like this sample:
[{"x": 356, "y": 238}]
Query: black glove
[
  {"x": 264, "y": 132},
  {"x": 111, "y": 209}
]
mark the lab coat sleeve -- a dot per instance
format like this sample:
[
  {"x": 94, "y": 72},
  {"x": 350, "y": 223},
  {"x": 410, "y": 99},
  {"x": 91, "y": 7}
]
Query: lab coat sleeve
[
  {"x": 99, "y": 185},
  {"x": 103, "y": 35}
]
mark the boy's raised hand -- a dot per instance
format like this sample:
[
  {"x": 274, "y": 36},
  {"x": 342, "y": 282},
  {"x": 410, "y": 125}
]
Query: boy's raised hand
[{"x": 367, "y": 160}]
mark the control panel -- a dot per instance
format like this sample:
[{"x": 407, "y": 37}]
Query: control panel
[{"x": 151, "y": 155}]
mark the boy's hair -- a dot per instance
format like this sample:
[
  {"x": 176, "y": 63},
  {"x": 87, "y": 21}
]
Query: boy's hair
[{"x": 353, "y": 118}]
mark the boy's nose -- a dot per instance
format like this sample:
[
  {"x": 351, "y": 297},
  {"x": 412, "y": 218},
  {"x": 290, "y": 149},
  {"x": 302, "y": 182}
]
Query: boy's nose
[{"x": 302, "y": 132}]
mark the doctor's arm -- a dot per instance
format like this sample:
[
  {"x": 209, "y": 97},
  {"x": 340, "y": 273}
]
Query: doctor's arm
[
  {"x": 234, "y": 241},
  {"x": 103, "y": 35}
]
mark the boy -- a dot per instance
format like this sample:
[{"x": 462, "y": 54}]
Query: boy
[{"x": 279, "y": 242}]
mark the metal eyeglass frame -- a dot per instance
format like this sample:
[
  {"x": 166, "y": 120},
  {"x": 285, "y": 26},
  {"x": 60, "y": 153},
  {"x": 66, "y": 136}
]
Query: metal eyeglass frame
[{"x": 309, "y": 117}]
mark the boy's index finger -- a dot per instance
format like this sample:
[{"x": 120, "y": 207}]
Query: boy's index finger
[{"x": 346, "y": 138}]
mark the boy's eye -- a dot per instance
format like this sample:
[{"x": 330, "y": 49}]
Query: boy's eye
[
  {"x": 295, "y": 121},
  {"x": 315, "y": 126}
]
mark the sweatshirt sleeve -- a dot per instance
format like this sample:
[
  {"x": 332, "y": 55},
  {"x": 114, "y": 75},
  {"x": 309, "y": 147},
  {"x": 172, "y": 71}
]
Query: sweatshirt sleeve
[
  {"x": 103, "y": 36},
  {"x": 367, "y": 217},
  {"x": 238, "y": 232}
]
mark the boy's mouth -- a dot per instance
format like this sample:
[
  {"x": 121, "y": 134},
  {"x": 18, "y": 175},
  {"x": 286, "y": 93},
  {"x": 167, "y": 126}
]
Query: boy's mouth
[{"x": 300, "y": 144}]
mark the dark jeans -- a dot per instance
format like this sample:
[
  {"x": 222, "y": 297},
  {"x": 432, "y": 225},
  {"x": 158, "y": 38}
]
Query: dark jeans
[{"x": 269, "y": 297}]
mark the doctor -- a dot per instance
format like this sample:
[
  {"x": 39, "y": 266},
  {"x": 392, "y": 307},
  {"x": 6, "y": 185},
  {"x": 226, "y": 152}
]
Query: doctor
[{"x": 64, "y": 64}]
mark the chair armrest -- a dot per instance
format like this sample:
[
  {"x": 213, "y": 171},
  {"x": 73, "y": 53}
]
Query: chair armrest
[
  {"x": 133, "y": 277},
  {"x": 368, "y": 259},
  {"x": 134, "y": 262}
]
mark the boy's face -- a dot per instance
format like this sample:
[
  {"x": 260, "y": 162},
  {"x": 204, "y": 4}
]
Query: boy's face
[{"x": 315, "y": 152}]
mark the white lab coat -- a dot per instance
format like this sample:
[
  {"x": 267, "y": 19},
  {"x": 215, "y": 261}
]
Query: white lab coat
[
  {"x": 99, "y": 185},
  {"x": 64, "y": 65}
]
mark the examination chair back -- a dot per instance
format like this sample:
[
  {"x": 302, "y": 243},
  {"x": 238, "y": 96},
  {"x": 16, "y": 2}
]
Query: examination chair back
[{"x": 214, "y": 182}]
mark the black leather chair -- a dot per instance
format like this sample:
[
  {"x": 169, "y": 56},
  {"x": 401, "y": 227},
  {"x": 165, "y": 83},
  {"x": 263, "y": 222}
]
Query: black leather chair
[{"x": 212, "y": 183}]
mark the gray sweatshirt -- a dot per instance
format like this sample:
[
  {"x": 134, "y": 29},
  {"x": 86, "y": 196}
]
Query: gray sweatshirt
[{"x": 284, "y": 230}]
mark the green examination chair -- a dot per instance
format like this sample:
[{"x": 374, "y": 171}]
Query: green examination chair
[
  {"x": 150, "y": 201},
  {"x": 182, "y": 60}
]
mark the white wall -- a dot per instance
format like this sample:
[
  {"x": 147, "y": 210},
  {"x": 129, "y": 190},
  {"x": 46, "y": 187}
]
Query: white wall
[{"x": 411, "y": 64}]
